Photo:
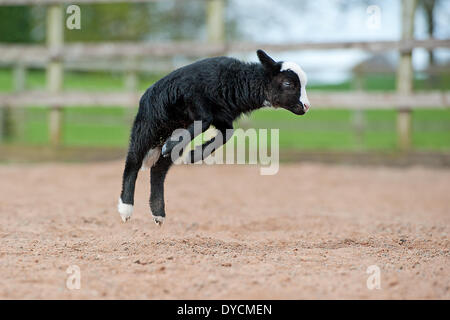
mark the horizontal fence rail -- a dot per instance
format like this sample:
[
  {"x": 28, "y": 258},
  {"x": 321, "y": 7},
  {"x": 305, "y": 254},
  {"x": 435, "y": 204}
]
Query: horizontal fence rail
[
  {"x": 112, "y": 65},
  {"x": 345, "y": 100},
  {"x": 160, "y": 65},
  {"x": 30, "y": 53}
]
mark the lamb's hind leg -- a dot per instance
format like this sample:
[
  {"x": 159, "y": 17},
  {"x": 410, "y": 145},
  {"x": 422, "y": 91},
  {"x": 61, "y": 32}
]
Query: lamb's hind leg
[
  {"x": 130, "y": 173},
  {"x": 139, "y": 146},
  {"x": 158, "y": 175}
]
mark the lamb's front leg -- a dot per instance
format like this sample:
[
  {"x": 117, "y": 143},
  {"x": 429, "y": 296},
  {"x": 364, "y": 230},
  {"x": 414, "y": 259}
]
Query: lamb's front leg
[
  {"x": 205, "y": 150},
  {"x": 183, "y": 140},
  {"x": 157, "y": 176}
]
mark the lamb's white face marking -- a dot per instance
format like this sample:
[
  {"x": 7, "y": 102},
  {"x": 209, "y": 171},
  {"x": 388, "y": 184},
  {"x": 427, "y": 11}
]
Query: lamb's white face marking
[{"x": 292, "y": 66}]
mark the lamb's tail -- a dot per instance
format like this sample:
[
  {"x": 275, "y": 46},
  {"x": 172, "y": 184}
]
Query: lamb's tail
[{"x": 151, "y": 158}]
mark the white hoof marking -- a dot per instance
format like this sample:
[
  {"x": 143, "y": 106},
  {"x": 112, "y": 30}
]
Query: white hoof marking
[
  {"x": 158, "y": 220},
  {"x": 125, "y": 210}
]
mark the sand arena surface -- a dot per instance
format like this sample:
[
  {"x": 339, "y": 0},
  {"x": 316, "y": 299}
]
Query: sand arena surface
[{"x": 310, "y": 231}]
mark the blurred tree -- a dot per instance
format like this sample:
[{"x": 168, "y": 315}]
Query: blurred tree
[
  {"x": 112, "y": 22},
  {"x": 162, "y": 20},
  {"x": 177, "y": 20},
  {"x": 184, "y": 20},
  {"x": 15, "y": 24}
]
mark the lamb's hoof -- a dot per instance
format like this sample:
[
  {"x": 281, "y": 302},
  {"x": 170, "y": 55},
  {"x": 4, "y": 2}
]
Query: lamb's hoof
[
  {"x": 164, "y": 152},
  {"x": 125, "y": 210},
  {"x": 168, "y": 146},
  {"x": 158, "y": 220}
]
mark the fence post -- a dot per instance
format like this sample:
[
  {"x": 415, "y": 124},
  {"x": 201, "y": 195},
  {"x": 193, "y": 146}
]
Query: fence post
[
  {"x": 2, "y": 123},
  {"x": 55, "y": 40},
  {"x": 215, "y": 21},
  {"x": 215, "y": 25},
  {"x": 405, "y": 76},
  {"x": 19, "y": 76},
  {"x": 19, "y": 114},
  {"x": 131, "y": 86},
  {"x": 131, "y": 80},
  {"x": 358, "y": 114},
  {"x": 10, "y": 118},
  {"x": 6, "y": 125}
]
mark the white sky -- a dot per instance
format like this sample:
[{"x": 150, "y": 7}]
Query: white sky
[{"x": 284, "y": 21}]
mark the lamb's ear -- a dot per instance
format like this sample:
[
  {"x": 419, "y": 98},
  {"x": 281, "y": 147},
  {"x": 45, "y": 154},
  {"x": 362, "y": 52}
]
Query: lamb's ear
[{"x": 269, "y": 64}]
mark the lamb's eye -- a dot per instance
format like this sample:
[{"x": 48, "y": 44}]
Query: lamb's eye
[{"x": 286, "y": 84}]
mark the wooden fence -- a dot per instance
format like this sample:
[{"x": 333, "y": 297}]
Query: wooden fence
[
  {"x": 328, "y": 100},
  {"x": 56, "y": 54}
]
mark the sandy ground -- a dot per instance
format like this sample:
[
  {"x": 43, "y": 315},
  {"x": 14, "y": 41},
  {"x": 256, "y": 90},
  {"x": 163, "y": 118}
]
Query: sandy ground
[{"x": 311, "y": 231}]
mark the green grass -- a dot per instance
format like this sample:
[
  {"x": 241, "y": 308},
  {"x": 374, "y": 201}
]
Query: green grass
[
  {"x": 6, "y": 81},
  {"x": 333, "y": 129},
  {"x": 386, "y": 82},
  {"x": 318, "y": 130},
  {"x": 82, "y": 127}
]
